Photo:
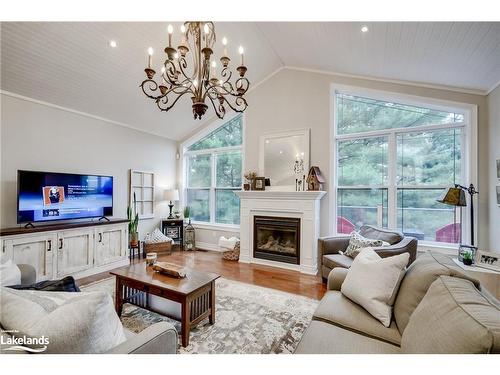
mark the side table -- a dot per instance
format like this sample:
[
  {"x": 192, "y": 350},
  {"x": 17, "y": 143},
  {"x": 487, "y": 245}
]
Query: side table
[{"x": 174, "y": 228}]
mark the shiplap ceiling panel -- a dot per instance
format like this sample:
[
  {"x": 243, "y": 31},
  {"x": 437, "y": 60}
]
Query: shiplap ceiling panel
[{"x": 72, "y": 64}]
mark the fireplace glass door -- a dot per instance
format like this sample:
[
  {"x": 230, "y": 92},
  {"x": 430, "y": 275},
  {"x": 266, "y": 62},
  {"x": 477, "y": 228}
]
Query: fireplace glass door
[{"x": 277, "y": 239}]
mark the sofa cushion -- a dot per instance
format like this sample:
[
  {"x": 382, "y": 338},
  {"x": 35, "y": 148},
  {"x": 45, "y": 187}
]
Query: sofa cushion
[
  {"x": 385, "y": 235},
  {"x": 337, "y": 309},
  {"x": 10, "y": 274},
  {"x": 358, "y": 242},
  {"x": 373, "y": 282},
  {"x": 337, "y": 260},
  {"x": 77, "y": 323},
  {"x": 453, "y": 317},
  {"x": 418, "y": 278},
  {"x": 324, "y": 338}
]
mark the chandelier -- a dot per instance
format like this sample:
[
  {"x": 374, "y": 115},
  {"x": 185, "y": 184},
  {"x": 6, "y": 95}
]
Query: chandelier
[{"x": 200, "y": 80}]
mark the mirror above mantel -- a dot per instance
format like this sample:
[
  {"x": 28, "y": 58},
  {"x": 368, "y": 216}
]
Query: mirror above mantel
[{"x": 279, "y": 152}]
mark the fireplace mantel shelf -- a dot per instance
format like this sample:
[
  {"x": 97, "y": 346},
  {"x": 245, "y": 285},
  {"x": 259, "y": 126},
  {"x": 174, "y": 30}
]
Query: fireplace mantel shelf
[{"x": 275, "y": 194}]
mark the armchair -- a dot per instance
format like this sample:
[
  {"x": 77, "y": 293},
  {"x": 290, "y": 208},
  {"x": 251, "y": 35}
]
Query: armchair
[{"x": 329, "y": 247}]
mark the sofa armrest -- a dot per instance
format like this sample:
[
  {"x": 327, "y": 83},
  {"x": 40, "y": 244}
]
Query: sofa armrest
[
  {"x": 332, "y": 245},
  {"x": 407, "y": 245},
  {"x": 28, "y": 274},
  {"x": 336, "y": 277},
  {"x": 160, "y": 338}
]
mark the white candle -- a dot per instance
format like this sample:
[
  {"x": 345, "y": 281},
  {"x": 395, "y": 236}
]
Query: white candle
[
  {"x": 183, "y": 31},
  {"x": 212, "y": 72},
  {"x": 150, "y": 58},
  {"x": 170, "y": 30},
  {"x": 224, "y": 43},
  {"x": 241, "y": 50},
  {"x": 206, "y": 30}
]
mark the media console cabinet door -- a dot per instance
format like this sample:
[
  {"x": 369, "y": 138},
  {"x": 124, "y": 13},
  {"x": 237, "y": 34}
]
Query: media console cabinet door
[
  {"x": 110, "y": 245},
  {"x": 75, "y": 251},
  {"x": 34, "y": 250}
]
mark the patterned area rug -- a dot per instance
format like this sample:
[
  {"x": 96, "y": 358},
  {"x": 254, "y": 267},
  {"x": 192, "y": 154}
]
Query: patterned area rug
[{"x": 248, "y": 319}]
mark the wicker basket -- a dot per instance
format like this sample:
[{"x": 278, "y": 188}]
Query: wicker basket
[
  {"x": 158, "y": 247},
  {"x": 232, "y": 254}
]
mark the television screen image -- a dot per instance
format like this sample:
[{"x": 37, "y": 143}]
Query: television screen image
[{"x": 46, "y": 196}]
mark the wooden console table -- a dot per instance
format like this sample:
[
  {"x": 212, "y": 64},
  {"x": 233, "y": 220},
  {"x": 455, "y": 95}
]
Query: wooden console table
[{"x": 143, "y": 287}]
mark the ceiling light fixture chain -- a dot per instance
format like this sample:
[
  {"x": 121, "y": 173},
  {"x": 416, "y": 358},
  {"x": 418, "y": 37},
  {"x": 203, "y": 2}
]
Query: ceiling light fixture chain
[{"x": 200, "y": 80}]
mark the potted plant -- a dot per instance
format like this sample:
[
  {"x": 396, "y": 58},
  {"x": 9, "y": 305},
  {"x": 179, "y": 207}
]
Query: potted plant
[
  {"x": 133, "y": 224},
  {"x": 467, "y": 258},
  {"x": 187, "y": 213}
]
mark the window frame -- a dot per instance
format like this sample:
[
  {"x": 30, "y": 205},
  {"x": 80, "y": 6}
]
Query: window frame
[
  {"x": 213, "y": 152},
  {"x": 468, "y": 161}
]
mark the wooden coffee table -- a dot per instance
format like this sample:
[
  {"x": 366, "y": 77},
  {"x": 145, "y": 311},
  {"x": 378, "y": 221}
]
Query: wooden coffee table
[{"x": 141, "y": 286}]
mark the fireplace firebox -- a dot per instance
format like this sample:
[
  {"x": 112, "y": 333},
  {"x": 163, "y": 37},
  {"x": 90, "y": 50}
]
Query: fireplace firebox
[{"x": 277, "y": 238}]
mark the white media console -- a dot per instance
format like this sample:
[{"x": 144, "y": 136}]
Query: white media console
[{"x": 76, "y": 249}]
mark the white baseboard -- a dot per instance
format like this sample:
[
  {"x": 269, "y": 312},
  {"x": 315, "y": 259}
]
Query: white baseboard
[{"x": 208, "y": 246}]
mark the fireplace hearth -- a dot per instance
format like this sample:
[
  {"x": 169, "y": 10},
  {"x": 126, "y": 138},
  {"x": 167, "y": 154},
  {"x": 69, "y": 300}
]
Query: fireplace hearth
[{"x": 277, "y": 239}]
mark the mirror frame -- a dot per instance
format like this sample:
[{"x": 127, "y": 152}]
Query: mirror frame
[{"x": 283, "y": 134}]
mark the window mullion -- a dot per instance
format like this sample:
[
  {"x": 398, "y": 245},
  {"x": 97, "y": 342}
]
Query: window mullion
[
  {"x": 391, "y": 175},
  {"x": 212, "y": 187}
]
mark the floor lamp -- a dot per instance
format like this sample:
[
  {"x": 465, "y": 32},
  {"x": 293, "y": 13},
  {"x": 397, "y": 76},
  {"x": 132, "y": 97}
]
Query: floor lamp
[{"x": 455, "y": 196}]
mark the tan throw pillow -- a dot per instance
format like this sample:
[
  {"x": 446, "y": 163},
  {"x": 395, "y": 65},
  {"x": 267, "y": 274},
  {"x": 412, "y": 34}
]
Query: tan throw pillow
[
  {"x": 358, "y": 242},
  {"x": 76, "y": 323},
  {"x": 372, "y": 282}
]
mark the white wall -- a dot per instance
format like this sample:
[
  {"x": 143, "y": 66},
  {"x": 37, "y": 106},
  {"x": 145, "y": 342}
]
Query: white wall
[
  {"x": 298, "y": 99},
  {"x": 494, "y": 148},
  {"x": 40, "y": 137}
]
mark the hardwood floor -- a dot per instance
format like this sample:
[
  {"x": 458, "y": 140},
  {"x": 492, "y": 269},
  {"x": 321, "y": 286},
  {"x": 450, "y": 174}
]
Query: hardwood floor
[{"x": 269, "y": 277}]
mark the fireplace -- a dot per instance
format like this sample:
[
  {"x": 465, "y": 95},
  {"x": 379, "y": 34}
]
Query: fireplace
[{"x": 277, "y": 238}]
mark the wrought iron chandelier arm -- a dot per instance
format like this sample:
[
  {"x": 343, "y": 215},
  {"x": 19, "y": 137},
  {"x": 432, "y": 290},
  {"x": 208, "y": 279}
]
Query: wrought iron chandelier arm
[{"x": 164, "y": 100}]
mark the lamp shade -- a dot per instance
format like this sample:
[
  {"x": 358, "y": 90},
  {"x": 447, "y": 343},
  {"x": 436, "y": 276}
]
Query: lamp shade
[
  {"x": 171, "y": 195},
  {"x": 454, "y": 196}
]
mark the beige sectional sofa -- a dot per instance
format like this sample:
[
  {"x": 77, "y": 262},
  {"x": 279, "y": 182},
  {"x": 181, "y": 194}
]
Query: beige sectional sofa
[{"x": 438, "y": 309}]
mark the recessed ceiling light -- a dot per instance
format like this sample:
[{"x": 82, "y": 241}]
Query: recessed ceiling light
[
  {"x": 112, "y": 43},
  {"x": 364, "y": 29}
]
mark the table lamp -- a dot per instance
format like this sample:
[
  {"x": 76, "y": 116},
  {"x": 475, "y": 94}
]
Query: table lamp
[{"x": 171, "y": 195}]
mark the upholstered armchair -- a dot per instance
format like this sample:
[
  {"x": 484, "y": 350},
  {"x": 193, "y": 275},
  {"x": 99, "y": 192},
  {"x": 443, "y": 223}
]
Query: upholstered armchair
[{"x": 329, "y": 247}]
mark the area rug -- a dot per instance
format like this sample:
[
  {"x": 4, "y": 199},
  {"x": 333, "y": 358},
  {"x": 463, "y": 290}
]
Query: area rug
[{"x": 248, "y": 319}]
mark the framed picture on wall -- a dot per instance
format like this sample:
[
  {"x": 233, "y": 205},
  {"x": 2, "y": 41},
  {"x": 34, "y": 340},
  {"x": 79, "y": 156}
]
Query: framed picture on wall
[
  {"x": 498, "y": 195},
  {"x": 498, "y": 169}
]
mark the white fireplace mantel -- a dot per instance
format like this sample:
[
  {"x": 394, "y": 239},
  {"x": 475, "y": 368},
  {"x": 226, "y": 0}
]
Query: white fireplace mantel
[{"x": 298, "y": 204}]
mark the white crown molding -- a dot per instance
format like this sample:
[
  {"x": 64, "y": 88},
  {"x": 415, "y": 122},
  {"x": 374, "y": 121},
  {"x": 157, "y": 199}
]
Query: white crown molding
[
  {"x": 493, "y": 88},
  {"x": 80, "y": 113},
  {"x": 394, "y": 81}
]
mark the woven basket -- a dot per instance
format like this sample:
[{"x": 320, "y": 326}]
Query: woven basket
[
  {"x": 232, "y": 254},
  {"x": 158, "y": 247}
]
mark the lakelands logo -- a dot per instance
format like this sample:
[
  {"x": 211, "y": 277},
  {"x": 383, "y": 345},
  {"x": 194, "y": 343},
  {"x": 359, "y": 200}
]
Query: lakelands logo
[{"x": 16, "y": 342}]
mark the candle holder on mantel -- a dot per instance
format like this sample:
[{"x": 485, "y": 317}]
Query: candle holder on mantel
[{"x": 298, "y": 169}]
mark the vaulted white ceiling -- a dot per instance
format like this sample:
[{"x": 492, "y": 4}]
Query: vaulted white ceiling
[{"x": 73, "y": 66}]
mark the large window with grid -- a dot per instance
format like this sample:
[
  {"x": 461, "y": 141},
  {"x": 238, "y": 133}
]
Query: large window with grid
[
  {"x": 393, "y": 161},
  {"x": 213, "y": 173}
]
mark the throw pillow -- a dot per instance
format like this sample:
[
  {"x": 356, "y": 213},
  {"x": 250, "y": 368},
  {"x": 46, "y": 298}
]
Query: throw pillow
[
  {"x": 358, "y": 242},
  {"x": 66, "y": 284},
  {"x": 75, "y": 323},
  {"x": 156, "y": 237},
  {"x": 373, "y": 282},
  {"x": 10, "y": 274}
]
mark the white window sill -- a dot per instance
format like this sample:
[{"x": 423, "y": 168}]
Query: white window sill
[
  {"x": 215, "y": 226},
  {"x": 447, "y": 249}
]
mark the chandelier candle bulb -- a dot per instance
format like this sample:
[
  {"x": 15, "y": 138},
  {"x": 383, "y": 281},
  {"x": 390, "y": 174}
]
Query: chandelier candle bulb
[
  {"x": 170, "y": 30},
  {"x": 212, "y": 70},
  {"x": 224, "y": 43},
  {"x": 241, "y": 50},
  {"x": 150, "y": 56}
]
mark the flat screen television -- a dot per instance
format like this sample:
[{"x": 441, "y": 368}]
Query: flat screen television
[{"x": 48, "y": 196}]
